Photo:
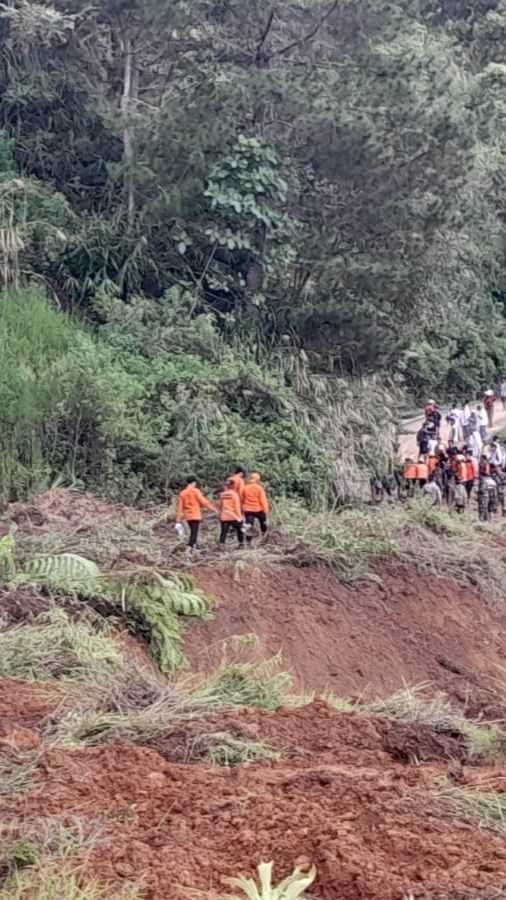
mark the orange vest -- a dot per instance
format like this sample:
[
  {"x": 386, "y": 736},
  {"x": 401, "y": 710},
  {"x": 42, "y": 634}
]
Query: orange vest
[
  {"x": 461, "y": 472},
  {"x": 410, "y": 472},
  {"x": 190, "y": 503},
  {"x": 422, "y": 471},
  {"x": 432, "y": 464},
  {"x": 230, "y": 506},
  {"x": 254, "y": 498},
  {"x": 238, "y": 484}
]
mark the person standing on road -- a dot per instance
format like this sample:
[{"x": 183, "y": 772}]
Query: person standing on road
[
  {"x": 482, "y": 417},
  {"x": 502, "y": 392},
  {"x": 231, "y": 517},
  {"x": 465, "y": 415},
  {"x": 190, "y": 505},
  {"x": 488, "y": 401},
  {"x": 454, "y": 419},
  {"x": 255, "y": 504}
]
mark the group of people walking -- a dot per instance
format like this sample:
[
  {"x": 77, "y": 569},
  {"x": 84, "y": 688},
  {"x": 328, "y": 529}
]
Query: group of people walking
[
  {"x": 472, "y": 458},
  {"x": 242, "y": 502}
]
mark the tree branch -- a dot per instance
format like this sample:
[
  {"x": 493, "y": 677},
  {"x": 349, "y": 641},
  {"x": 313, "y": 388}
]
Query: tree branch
[{"x": 310, "y": 34}]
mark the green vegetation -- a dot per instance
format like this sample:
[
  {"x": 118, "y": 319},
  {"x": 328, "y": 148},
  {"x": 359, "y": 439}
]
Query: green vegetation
[
  {"x": 48, "y": 881},
  {"x": 490, "y": 807},
  {"x": 55, "y": 647},
  {"x": 213, "y": 249},
  {"x": 155, "y": 604}
]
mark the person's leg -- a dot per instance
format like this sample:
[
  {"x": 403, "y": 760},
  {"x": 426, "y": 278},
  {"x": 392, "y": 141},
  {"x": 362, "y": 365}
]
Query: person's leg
[
  {"x": 262, "y": 520},
  {"x": 194, "y": 534},
  {"x": 224, "y": 532},
  {"x": 250, "y": 518},
  {"x": 240, "y": 532},
  {"x": 490, "y": 414}
]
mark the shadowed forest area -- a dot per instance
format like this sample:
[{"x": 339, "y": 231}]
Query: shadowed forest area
[{"x": 243, "y": 231}]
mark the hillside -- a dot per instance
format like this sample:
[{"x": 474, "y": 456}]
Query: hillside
[{"x": 125, "y": 782}]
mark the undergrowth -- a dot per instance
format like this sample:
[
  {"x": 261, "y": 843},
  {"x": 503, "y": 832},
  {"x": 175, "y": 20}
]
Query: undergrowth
[
  {"x": 489, "y": 806},
  {"x": 433, "y": 540},
  {"x": 154, "y": 603},
  {"x": 55, "y": 647}
]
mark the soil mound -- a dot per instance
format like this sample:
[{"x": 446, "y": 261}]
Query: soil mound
[
  {"x": 64, "y": 510},
  {"x": 374, "y": 827},
  {"x": 375, "y": 639}
]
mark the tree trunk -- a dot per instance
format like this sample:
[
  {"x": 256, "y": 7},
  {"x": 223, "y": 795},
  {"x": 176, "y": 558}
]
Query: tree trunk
[{"x": 130, "y": 88}]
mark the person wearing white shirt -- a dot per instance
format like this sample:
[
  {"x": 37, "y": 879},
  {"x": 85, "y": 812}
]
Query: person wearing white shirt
[
  {"x": 502, "y": 393},
  {"x": 481, "y": 415}
]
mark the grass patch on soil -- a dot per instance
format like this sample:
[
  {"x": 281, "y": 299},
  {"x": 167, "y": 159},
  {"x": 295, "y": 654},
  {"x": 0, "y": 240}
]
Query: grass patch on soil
[
  {"x": 55, "y": 647},
  {"x": 490, "y": 807},
  {"x": 416, "y": 534},
  {"x": 137, "y": 706},
  {"x": 44, "y": 859},
  {"x": 417, "y": 706},
  {"x": 16, "y": 775}
]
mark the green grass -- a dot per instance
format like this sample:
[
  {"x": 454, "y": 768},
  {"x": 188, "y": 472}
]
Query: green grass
[
  {"x": 54, "y": 647},
  {"x": 17, "y": 776},
  {"x": 234, "y": 683},
  {"x": 490, "y": 807},
  {"x": 434, "y": 541},
  {"x": 418, "y": 706},
  {"x": 61, "y": 881}
]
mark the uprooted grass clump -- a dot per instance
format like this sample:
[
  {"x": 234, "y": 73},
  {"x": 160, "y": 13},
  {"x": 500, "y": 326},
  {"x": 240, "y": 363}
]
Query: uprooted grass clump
[
  {"x": 488, "y": 806},
  {"x": 417, "y": 706},
  {"x": 154, "y": 604},
  {"x": 176, "y": 717},
  {"x": 55, "y": 647}
]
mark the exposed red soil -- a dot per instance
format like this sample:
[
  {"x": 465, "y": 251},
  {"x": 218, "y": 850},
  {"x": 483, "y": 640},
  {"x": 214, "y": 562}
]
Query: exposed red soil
[
  {"x": 24, "y": 704},
  {"x": 374, "y": 827},
  {"x": 409, "y": 629}
]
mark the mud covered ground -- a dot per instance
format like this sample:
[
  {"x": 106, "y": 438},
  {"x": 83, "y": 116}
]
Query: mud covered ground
[
  {"x": 360, "y": 796},
  {"x": 339, "y": 796}
]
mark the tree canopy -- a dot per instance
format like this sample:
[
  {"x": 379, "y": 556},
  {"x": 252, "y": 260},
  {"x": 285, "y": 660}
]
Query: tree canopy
[{"x": 322, "y": 180}]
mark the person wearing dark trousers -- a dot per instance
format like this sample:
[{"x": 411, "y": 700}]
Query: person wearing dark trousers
[
  {"x": 231, "y": 518},
  {"x": 255, "y": 505},
  {"x": 190, "y": 504}
]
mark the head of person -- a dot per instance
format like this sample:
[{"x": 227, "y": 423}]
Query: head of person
[
  {"x": 191, "y": 481},
  {"x": 240, "y": 471},
  {"x": 479, "y": 407},
  {"x": 230, "y": 483},
  {"x": 489, "y": 393},
  {"x": 255, "y": 478},
  {"x": 469, "y": 453}
]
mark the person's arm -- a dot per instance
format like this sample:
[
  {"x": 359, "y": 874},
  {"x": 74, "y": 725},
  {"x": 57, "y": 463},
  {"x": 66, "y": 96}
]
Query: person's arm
[
  {"x": 264, "y": 501},
  {"x": 180, "y": 510},
  {"x": 205, "y": 502}
]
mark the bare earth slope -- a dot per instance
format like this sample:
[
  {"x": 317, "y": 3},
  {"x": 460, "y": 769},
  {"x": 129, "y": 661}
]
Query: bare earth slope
[{"x": 409, "y": 629}]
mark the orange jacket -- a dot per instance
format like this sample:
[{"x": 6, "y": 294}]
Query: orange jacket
[
  {"x": 471, "y": 469},
  {"x": 410, "y": 471},
  {"x": 461, "y": 472},
  {"x": 239, "y": 484},
  {"x": 230, "y": 506},
  {"x": 254, "y": 497},
  {"x": 190, "y": 503},
  {"x": 432, "y": 464},
  {"x": 422, "y": 471}
]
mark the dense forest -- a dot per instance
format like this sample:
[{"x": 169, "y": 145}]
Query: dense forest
[{"x": 243, "y": 231}]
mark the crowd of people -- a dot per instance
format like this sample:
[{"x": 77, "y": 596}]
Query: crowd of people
[
  {"x": 471, "y": 462},
  {"x": 242, "y": 502}
]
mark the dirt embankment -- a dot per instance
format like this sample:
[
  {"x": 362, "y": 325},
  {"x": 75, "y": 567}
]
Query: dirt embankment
[
  {"x": 338, "y": 797},
  {"x": 376, "y": 639}
]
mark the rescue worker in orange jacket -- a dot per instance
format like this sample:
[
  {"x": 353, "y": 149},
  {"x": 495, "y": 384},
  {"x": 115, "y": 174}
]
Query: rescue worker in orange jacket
[
  {"x": 190, "y": 504},
  {"x": 422, "y": 472},
  {"x": 231, "y": 513},
  {"x": 410, "y": 476},
  {"x": 472, "y": 472},
  {"x": 238, "y": 479},
  {"x": 255, "y": 504}
]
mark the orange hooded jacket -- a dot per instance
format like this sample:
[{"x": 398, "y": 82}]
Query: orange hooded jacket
[
  {"x": 254, "y": 498},
  {"x": 239, "y": 484},
  {"x": 230, "y": 506},
  {"x": 190, "y": 503}
]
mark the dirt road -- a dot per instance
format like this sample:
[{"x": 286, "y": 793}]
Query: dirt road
[{"x": 407, "y": 440}]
